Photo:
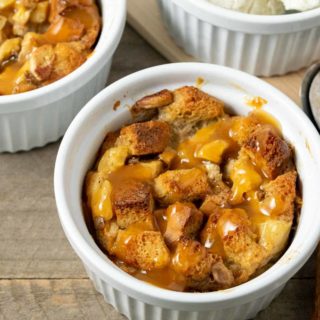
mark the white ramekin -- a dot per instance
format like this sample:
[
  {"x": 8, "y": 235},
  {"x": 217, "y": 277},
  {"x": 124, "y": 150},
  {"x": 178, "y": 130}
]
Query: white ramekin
[
  {"x": 260, "y": 45},
  {"x": 35, "y": 118},
  {"x": 139, "y": 300}
]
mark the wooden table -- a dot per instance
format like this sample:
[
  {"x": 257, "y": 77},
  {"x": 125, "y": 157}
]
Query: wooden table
[{"x": 40, "y": 276}]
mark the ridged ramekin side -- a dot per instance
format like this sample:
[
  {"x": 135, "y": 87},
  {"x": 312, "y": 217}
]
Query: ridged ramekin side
[
  {"x": 135, "y": 309},
  {"x": 258, "y": 54},
  {"x": 24, "y": 130}
]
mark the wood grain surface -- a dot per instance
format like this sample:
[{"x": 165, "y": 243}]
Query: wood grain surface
[
  {"x": 40, "y": 276},
  {"x": 144, "y": 16}
]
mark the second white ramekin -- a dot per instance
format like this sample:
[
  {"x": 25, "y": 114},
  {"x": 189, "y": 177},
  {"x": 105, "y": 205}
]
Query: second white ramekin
[
  {"x": 260, "y": 45},
  {"x": 139, "y": 300},
  {"x": 35, "y": 118}
]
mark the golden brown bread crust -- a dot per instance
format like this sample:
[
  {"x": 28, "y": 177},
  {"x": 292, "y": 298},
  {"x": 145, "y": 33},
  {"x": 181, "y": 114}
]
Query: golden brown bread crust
[
  {"x": 145, "y": 250},
  {"x": 183, "y": 220},
  {"x": 68, "y": 57},
  {"x": 145, "y": 138},
  {"x": 203, "y": 271},
  {"x": 240, "y": 243},
  {"x": 156, "y": 100},
  {"x": 191, "y": 105},
  {"x": 41, "y": 62},
  {"x": 192, "y": 260},
  {"x": 133, "y": 202},
  {"x": 242, "y": 250},
  {"x": 243, "y": 127},
  {"x": 215, "y": 201},
  {"x": 268, "y": 150},
  {"x": 284, "y": 189},
  {"x": 181, "y": 185},
  {"x": 146, "y": 107},
  {"x": 108, "y": 142}
]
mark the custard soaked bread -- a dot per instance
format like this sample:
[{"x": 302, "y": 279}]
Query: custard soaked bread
[
  {"x": 191, "y": 198},
  {"x": 43, "y": 41}
]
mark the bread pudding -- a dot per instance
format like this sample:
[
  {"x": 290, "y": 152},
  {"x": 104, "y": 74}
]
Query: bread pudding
[
  {"x": 189, "y": 197},
  {"x": 43, "y": 41}
]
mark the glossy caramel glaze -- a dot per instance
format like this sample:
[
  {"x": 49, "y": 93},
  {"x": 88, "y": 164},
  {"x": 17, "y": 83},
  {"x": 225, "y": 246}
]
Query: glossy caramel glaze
[{"x": 251, "y": 208}]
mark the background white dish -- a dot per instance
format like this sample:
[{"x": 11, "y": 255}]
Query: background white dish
[
  {"x": 258, "y": 44},
  {"x": 32, "y": 119}
]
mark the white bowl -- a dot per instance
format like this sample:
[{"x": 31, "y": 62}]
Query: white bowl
[
  {"x": 260, "y": 45},
  {"x": 34, "y": 118},
  {"x": 142, "y": 301}
]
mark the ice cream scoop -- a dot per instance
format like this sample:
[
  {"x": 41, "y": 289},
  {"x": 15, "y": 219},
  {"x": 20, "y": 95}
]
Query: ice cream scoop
[
  {"x": 263, "y": 7},
  {"x": 267, "y": 7},
  {"x": 301, "y": 5}
]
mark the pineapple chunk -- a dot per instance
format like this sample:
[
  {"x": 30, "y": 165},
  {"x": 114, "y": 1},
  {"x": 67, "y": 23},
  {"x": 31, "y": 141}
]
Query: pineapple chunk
[
  {"x": 273, "y": 235},
  {"x": 101, "y": 202},
  {"x": 213, "y": 151},
  {"x": 99, "y": 190},
  {"x": 113, "y": 159}
]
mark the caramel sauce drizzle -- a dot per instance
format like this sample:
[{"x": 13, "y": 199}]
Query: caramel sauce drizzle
[{"x": 248, "y": 181}]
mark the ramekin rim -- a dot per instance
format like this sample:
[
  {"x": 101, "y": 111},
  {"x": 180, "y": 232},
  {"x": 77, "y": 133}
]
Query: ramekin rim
[
  {"x": 108, "y": 39},
  {"x": 249, "y": 23},
  {"x": 256, "y": 18},
  {"x": 137, "y": 287}
]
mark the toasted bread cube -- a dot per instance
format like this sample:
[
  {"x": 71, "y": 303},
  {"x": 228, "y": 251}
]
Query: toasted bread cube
[
  {"x": 68, "y": 57},
  {"x": 145, "y": 108},
  {"x": 133, "y": 202},
  {"x": 240, "y": 243},
  {"x": 213, "y": 151},
  {"x": 209, "y": 236},
  {"x": 21, "y": 15},
  {"x": 113, "y": 159},
  {"x": 156, "y": 100},
  {"x": 181, "y": 185},
  {"x": 145, "y": 250},
  {"x": 242, "y": 128},
  {"x": 106, "y": 233},
  {"x": 280, "y": 196},
  {"x": 215, "y": 201},
  {"x": 145, "y": 137},
  {"x": 191, "y": 105},
  {"x": 41, "y": 62},
  {"x": 183, "y": 220},
  {"x": 192, "y": 260},
  {"x": 98, "y": 190},
  {"x": 168, "y": 156},
  {"x": 30, "y": 41},
  {"x": 40, "y": 12},
  {"x": 108, "y": 142},
  {"x": 9, "y": 48},
  {"x": 203, "y": 271},
  {"x": 270, "y": 152}
]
